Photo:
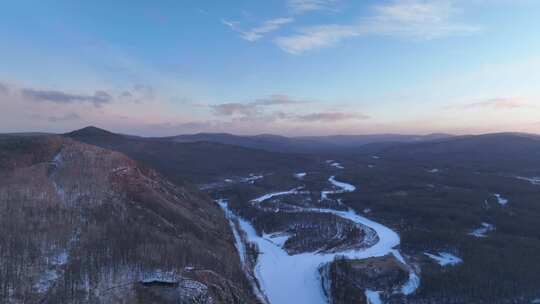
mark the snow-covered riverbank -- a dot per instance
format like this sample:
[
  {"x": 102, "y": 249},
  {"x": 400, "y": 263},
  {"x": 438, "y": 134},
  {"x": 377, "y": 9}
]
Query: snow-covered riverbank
[{"x": 295, "y": 279}]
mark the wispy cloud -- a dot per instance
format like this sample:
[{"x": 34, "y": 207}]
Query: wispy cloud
[
  {"x": 232, "y": 109},
  {"x": 277, "y": 99},
  {"x": 258, "y": 32},
  {"x": 500, "y": 104},
  {"x": 331, "y": 117},
  {"x": 139, "y": 93},
  {"x": 302, "y": 6},
  {"x": 296, "y": 7},
  {"x": 316, "y": 37},
  {"x": 255, "y": 107},
  {"x": 264, "y": 109},
  {"x": 66, "y": 117},
  {"x": 414, "y": 19},
  {"x": 98, "y": 99},
  {"x": 419, "y": 19}
]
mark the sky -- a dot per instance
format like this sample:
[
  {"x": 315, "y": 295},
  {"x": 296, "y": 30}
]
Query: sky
[{"x": 290, "y": 67}]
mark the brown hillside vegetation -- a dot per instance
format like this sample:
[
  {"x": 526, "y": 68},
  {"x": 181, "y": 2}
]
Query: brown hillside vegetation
[{"x": 81, "y": 224}]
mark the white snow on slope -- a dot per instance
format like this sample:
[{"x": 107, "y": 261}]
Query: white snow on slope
[
  {"x": 48, "y": 278},
  {"x": 300, "y": 175},
  {"x": 160, "y": 275},
  {"x": 435, "y": 170},
  {"x": 57, "y": 163},
  {"x": 251, "y": 178},
  {"x": 482, "y": 230},
  {"x": 533, "y": 180},
  {"x": 334, "y": 164},
  {"x": 373, "y": 297},
  {"x": 274, "y": 194},
  {"x": 445, "y": 258},
  {"x": 501, "y": 200},
  {"x": 337, "y": 165},
  {"x": 324, "y": 194},
  {"x": 281, "y": 275}
]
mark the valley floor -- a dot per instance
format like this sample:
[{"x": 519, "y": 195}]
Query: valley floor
[{"x": 281, "y": 275}]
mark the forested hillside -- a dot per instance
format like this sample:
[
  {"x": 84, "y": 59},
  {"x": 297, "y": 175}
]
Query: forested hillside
[
  {"x": 196, "y": 162},
  {"x": 81, "y": 224}
]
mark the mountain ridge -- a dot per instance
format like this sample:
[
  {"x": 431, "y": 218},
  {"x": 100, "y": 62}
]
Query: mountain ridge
[
  {"x": 82, "y": 223},
  {"x": 196, "y": 162}
]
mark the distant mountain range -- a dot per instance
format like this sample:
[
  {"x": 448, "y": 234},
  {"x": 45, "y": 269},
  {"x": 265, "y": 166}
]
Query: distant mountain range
[
  {"x": 205, "y": 157},
  {"x": 495, "y": 151},
  {"x": 91, "y": 211},
  {"x": 305, "y": 144},
  {"x": 195, "y": 162}
]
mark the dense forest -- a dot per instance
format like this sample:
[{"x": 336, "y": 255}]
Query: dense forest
[{"x": 80, "y": 224}]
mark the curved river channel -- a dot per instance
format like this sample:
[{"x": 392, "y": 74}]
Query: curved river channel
[{"x": 285, "y": 278}]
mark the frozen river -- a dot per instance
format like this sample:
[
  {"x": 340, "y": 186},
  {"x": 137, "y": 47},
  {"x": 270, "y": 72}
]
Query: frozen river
[{"x": 285, "y": 278}]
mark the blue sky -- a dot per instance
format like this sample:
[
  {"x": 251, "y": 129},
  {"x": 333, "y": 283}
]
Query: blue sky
[{"x": 293, "y": 67}]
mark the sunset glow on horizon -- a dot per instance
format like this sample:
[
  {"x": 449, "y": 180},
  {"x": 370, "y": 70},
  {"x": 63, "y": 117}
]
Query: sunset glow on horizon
[{"x": 289, "y": 67}]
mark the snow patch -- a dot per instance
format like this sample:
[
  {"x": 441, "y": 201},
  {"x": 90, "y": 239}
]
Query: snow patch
[
  {"x": 274, "y": 194},
  {"x": 412, "y": 284},
  {"x": 533, "y": 180},
  {"x": 434, "y": 170},
  {"x": 482, "y": 230},
  {"x": 373, "y": 297},
  {"x": 337, "y": 165},
  {"x": 501, "y": 200},
  {"x": 52, "y": 274},
  {"x": 445, "y": 258},
  {"x": 334, "y": 164},
  {"x": 343, "y": 186},
  {"x": 300, "y": 175},
  {"x": 159, "y": 275},
  {"x": 251, "y": 178}
]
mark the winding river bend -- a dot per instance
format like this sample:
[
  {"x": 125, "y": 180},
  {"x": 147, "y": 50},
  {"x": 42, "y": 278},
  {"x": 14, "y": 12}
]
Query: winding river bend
[{"x": 285, "y": 278}]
